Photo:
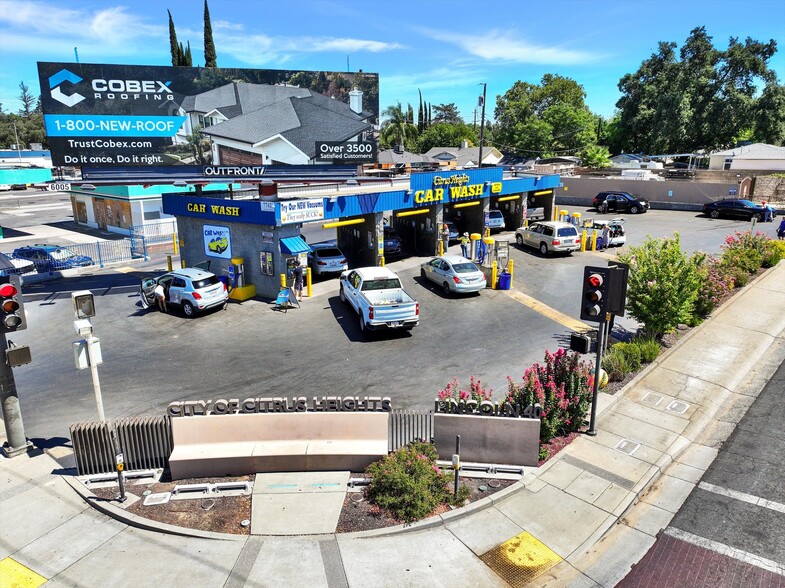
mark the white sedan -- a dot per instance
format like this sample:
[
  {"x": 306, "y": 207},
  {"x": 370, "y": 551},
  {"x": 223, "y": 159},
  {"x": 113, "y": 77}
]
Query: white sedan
[{"x": 454, "y": 274}]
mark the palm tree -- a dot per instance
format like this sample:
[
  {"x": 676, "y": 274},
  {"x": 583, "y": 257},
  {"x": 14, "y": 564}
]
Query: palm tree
[{"x": 397, "y": 128}]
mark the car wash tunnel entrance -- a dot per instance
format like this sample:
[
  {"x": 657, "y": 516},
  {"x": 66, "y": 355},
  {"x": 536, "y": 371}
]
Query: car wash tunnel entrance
[{"x": 373, "y": 226}]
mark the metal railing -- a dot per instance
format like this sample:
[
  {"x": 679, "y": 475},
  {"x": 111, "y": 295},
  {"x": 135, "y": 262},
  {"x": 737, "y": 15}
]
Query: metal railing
[{"x": 407, "y": 426}]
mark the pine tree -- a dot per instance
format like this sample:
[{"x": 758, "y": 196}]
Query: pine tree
[
  {"x": 420, "y": 114},
  {"x": 173, "y": 47},
  {"x": 187, "y": 60},
  {"x": 210, "y": 59}
]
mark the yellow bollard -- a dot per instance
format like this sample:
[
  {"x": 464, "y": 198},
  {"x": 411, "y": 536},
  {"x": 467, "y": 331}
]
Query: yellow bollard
[
  {"x": 583, "y": 240},
  {"x": 381, "y": 261},
  {"x": 308, "y": 283},
  {"x": 283, "y": 280},
  {"x": 525, "y": 223},
  {"x": 174, "y": 243},
  {"x": 488, "y": 232},
  {"x": 494, "y": 274},
  {"x": 182, "y": 264},
  {"x": 511, "y": 269},
  {"x": 594, "y": 240},
  {"x": 441, "y": 247},
  {"x": 168, "y": 263}
]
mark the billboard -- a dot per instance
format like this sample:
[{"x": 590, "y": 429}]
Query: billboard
[{"x": 101, "y": 115}]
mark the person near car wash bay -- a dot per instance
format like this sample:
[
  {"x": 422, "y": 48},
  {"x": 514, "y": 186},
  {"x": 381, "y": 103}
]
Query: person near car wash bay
[
  {"x": 781, "y": 230},
  {"x": 297, "y": 272},
  {"x": 465, "y": 245},
  {"x": 445, "y": 236}
]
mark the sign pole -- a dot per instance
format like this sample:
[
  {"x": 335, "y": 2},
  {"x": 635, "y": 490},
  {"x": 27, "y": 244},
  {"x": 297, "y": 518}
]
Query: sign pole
[{"x": 596, "y": 387}]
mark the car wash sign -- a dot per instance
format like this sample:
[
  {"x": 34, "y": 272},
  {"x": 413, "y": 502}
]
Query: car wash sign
[{"x": 453, "y": 186}]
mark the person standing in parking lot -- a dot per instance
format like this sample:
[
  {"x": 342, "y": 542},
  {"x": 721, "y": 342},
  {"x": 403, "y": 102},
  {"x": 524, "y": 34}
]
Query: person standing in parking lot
[
  {"x": 781, "y": 230},
  {"x": 445, "y": 237},
  {"x": 160, "y": 297},
  {"x": 606, "y": 236},
  {"x": 297, "y": 272},
  {"x": 465, "y": 245}
]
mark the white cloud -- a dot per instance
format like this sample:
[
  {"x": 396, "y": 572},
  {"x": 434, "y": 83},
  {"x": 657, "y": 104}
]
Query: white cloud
[
  {"x": 225, "y": 25},
  {"x": 507, "y": 46}
]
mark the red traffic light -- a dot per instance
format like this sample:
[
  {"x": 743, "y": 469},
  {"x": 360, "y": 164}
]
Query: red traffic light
[
  {"x": 8, "y": 290},
  {"x": 595, "y": 280}
]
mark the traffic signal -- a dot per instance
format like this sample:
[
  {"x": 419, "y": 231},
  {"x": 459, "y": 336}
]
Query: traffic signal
[
  {"x": 12, "y": 309},
  {"x": 594, "y": 301}
]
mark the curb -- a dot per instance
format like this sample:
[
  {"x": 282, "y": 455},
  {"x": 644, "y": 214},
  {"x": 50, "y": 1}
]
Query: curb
[{"x": 133, "y": 520}]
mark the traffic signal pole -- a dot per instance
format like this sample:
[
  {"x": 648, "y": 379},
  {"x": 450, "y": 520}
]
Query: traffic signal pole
[
  {"x": 596, "y": 386},
  {"x": 16, "y": 442}
]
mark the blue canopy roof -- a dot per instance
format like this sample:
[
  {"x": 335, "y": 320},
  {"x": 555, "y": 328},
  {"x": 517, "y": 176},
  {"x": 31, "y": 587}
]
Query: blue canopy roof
[{"x": 294, "y": 245}]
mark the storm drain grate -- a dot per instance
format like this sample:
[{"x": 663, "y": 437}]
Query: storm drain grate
[{"x": 521, "y": 559}]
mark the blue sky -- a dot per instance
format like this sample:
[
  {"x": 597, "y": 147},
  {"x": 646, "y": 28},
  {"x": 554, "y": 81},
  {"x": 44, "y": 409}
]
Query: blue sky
[{"x": 444, "y": 48}]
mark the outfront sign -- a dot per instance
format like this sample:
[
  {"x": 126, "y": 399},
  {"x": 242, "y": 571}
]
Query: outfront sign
[{"x": 100, "y": 115}]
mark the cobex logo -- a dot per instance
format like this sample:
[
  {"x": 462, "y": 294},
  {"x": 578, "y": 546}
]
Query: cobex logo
[
  {"x": 59, "y": 78},
  {"x": 109, "y": 89}
]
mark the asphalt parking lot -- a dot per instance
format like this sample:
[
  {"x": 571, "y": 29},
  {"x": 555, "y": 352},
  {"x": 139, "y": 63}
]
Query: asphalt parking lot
[{"x": 250, "y": 349}]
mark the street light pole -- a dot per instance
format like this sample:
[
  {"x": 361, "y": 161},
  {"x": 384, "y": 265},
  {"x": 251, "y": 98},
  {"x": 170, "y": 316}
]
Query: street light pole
[
  {"x": 16, "y": 136},
  {"x": 482, "y": 124}
]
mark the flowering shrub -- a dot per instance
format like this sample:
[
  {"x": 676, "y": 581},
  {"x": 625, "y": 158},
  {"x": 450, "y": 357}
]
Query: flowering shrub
[
  {"x": 561, "y": 386},
  {"x": 408, "y": 483},
  {"x": 663, "y": 284},
  {"x": 716, "y": 283},
  {"x": 475, "y": 392},
  {"x": 775, "y": 251},
  {"x": 744, "y": 251}
]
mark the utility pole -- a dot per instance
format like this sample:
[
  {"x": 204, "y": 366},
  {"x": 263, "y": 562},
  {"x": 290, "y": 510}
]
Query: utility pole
[
  {"x": 482, "y": 125},
  {"x": 18, "y": 149}
]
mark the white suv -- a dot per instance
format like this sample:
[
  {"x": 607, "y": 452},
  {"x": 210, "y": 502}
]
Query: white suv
[
  {"x": 193, "y": 289},
  {"x": 549, "y": 236}
]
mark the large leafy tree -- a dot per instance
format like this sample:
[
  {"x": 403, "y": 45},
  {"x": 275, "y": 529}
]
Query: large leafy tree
[
  {"x": 446, "y": 135},
  {"x": 544, "y": 119},
  {"x": 700, "y": 99},
  {"x": 446, "y": 113},
  {"x": 397, "y": 129}
]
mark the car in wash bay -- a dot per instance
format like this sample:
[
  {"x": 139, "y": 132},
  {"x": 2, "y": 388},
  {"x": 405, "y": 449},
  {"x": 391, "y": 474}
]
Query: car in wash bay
[
  {"x": 549, "y": 237},
  {"x": 455, "y": 274},
  {"x": 392, "y": 242},
  {"x": 193, "y": 290},
  {"x": 325, "y": 258},
  {"x": 496, "y": 220},
  {"x": 52, "y": 258},
  {"x": 619, "y": 202},
  {"x": 735, "y": 208}
]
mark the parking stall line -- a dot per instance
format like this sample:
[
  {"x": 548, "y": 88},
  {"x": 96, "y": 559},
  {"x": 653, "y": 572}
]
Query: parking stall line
[{"x": 547, "y": 311}]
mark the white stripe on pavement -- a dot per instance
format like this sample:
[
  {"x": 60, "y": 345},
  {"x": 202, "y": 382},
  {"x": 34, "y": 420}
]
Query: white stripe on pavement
[
  {"x": 722, "y": 549},
  {"x": 756, "y": 500}
]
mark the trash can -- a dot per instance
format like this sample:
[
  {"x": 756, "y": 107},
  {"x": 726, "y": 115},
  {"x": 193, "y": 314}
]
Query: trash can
[{"x": 504, "y": 281}]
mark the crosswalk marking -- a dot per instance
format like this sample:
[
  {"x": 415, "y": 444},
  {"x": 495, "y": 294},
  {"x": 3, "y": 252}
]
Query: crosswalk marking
[
  {"x": 721, "y": 548},
  {"x": 743, "y": 496}
]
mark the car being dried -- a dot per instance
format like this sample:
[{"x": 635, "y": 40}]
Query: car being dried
[{"x": 549, "y": 237}]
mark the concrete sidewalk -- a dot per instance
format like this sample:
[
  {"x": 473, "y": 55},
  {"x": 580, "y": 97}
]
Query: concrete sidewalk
[{"x": 583, "y": 519}]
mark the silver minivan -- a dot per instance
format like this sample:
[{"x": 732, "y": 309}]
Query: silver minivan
[{"x": 194, "y": 290}]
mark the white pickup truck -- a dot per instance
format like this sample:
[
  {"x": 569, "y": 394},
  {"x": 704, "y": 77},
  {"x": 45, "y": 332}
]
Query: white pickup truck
[{"x": 376, "y": 295}]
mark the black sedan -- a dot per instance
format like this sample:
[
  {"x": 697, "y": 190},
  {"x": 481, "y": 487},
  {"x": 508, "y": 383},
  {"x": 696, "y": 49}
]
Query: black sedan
[
  {"x": 735, "y": 208},
  {"x": 619, "y": 202}
]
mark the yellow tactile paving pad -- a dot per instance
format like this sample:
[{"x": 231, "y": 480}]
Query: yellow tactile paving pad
[
  {"x": 15, "y": 575},
  {"x": 521, "y": 559}
]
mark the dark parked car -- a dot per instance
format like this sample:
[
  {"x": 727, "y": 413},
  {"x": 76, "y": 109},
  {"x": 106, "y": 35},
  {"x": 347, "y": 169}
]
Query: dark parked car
[
  {"x": 11, "y": 266},
  {"x": 619, "y": 202},
  {"x": 392, "y": 242},
  {"x": 52, "y": 258},
  {"x": 735, "y": 208}
]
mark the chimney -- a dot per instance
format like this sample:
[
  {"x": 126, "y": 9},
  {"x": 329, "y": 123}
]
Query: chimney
[
  {"x": 464, "y": 144},
  {"x": 356, "y": 100}
]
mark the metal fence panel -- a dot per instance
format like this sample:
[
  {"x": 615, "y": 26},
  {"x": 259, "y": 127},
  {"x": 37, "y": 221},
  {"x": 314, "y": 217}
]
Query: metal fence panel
[{"x": 409, "y": 425}]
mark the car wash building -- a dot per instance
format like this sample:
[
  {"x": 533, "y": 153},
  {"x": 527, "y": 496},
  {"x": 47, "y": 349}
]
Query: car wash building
[{"x": 265, "y": 232}]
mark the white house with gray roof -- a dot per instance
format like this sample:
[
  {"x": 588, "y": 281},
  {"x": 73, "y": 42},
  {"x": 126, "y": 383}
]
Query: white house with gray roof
[
  {"x": 756, "y": 156},
  {"x": 265, "y": 124}
]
